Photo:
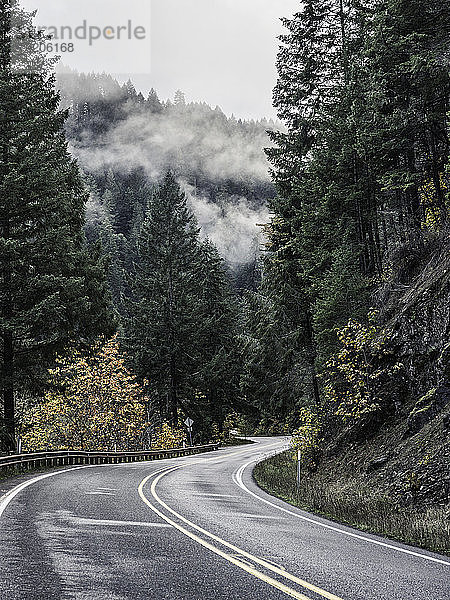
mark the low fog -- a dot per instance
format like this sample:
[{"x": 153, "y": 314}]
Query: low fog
[
  {"x": 219, "y": 160},
  {"x": 193, "y": 138},
  {"x": 233, "y": 228}
]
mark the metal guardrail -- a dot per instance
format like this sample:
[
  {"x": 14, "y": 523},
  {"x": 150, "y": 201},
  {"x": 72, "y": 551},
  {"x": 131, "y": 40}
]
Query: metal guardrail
[{"x": 36, "y": 460}]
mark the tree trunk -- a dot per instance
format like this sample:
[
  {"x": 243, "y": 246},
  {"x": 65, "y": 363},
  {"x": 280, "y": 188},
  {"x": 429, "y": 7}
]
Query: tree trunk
[
  {"x": 173, "y": 399},
  {"x": 173, "y": 396},
  {"x": 315, "y": 383},
  {"x": 438, "y": 189},
  {"x": 8, "y": 392}
]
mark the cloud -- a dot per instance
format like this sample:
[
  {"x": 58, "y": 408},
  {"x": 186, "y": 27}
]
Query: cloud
[
  {"x": 217, "y": 159},
  {"x": 231, "y": 226},
  {"x": 197, "y": 139}
]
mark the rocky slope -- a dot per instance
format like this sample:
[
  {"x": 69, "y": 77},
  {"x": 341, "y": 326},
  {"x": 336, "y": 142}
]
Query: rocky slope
[{"x": 409, "y": 455}]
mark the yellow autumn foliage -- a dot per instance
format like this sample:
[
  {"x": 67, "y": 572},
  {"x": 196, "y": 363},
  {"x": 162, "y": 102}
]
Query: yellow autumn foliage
[
  {"x": 434, "y": 215},
  {"x": 168, "y": 437},
  {"x": 306, "y": 437},
  {"x": 94, "y": 404},
  {"x": 353, "y": 375}
]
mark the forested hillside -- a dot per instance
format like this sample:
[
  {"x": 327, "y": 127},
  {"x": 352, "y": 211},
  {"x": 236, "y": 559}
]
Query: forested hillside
[
  {"x": 354, "y": 326},
  {"x": 125, "y": 143},
  {"x": 363, "y": 206},
  {"x": 337, "y": 330}
]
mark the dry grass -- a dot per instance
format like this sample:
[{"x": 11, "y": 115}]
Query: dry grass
[{"x": 355, "y": 503}]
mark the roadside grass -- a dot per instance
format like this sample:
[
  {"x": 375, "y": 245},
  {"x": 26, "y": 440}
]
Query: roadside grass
[
  {"x": 354, "y": 502},
  {"x": 17, "y": 475}
]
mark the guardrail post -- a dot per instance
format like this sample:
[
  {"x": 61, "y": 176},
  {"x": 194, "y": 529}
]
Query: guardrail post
[{"x": 51, "y": 459}]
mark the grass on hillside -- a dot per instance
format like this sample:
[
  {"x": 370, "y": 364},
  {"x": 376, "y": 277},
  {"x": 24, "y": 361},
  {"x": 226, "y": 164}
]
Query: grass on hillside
[{"x": 353, "y": 502}]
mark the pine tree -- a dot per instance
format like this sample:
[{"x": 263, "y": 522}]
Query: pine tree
[
  {"x": 161, "y": 331},
  {"x": 217, "y": 377},
  {"x": 179, "y": 99},
  {"x": 113, "y": 247},
  {"x": 154, "y": 102},
  {"x": 363, "y": 89},
  {"x": 319, "y": 214},
  {"x": 51, "y": 290},
  {"x": 129, "y": 90},
  {"x": 408, "y": 83},
  {"x": 125, "y": 197},
  {"x": 276, "y": 376}
]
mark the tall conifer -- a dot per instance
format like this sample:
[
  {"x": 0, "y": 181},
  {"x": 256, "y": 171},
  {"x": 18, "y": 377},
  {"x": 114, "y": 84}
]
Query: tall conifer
[
  {"x": 51, "y": 290},
  {"x": 161, "y": 329}
]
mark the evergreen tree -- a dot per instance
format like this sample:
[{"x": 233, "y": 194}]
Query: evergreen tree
[
  {"x": 102, "y": 238},
  {"x": 179, "y": 99},
  {"x": 363, "y": 89},
  {"x": 154, "y": 102},
  {"x": 161, "y": 331},
  {"x": 125, "y": 197},
  {"x": 408, "y": 83},
  {"x": 51, "y": 290},
  {"x": 312, "y": 167},
  {"x": 217, "y": 377},
  {"x": 130, "y": 90},
  {"x": 276, "y": 374}
]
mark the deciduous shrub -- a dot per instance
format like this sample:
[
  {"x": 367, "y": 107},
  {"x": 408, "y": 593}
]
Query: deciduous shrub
[{"x": 94, "y": 404}]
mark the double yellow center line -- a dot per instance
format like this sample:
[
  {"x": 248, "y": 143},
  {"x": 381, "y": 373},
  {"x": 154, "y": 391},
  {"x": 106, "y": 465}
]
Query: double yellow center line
[{"x": 231, "y": 558}]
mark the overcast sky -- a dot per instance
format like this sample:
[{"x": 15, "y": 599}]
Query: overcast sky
[
  {"x": 222, "y": 51},
  {"x": 219, "y": 51}
]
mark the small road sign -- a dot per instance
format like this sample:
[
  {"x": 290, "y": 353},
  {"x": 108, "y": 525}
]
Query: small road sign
[{"x": 189, "y": 422}]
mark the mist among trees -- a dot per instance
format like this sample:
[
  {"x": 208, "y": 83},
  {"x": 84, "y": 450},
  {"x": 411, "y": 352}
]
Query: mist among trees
[{"x": 242, "y": 283}]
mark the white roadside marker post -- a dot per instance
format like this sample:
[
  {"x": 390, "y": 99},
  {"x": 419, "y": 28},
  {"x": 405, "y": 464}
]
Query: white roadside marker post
[
  {"x": 189, "y": 422},
  {"x": 299, "y": 462}
]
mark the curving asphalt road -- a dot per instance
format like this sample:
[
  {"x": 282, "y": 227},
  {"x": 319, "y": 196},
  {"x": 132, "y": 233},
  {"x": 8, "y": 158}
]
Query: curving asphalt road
[{"x": 194, "y": 528}]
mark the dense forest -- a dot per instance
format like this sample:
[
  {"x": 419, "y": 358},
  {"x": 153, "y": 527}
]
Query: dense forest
[
  {"x": 362, "y": 207},
  {"x": 125, "y": 143},
  {"x": 351, "y": 324},
  {"x": 125, "y": 216}
]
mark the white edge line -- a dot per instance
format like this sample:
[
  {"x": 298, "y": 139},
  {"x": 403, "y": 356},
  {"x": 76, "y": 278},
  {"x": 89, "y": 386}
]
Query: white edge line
[
  {"x": 237, "y": 477},
  {"x": 6, "y": 499},
  {"x": 9, "y": 496},
  {"x": 241, "y": 563}
]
